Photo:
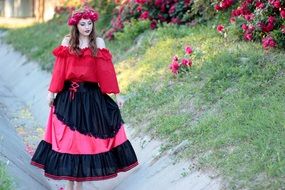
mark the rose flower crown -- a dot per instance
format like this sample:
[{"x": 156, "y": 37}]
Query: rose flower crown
[{"x": 86, "y": 13}]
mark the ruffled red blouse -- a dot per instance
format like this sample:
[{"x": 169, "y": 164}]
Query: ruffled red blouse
[{"x": 83, "y": 67}]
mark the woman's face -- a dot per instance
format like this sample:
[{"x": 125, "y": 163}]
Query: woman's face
[{"x": 85, "y": 26}]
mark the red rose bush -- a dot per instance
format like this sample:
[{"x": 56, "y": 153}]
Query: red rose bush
[{"x": 262, "y": 20}]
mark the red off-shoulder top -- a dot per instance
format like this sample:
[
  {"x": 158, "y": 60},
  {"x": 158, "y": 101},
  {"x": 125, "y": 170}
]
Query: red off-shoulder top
[{"x": 83, "y": 67}]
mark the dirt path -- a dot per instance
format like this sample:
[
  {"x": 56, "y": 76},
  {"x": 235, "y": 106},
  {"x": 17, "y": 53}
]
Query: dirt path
[{"x": 13, "y": 149}]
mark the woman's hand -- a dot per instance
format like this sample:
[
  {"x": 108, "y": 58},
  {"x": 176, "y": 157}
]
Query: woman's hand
[
  {"x": 119, "y": 101},
  {"x": 50, "y": 98}
]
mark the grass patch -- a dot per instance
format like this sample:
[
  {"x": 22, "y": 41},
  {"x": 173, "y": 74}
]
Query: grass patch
[
  {"x": 230, "y": 108},
  {"x": 5, "y": 180},
  {"x": 15, "y": 23}
]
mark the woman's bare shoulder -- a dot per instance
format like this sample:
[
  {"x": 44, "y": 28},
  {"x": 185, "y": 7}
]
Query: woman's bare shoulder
[
  {"x": 65, "y": 40},
  {"x": 100, "y": 42}
]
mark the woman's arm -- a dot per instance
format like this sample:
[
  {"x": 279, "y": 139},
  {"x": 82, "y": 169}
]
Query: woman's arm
[
  {"x": 101, "y": 44},
  {"x": 58, "y": 70},
  {"x": 106, "y": 71}
]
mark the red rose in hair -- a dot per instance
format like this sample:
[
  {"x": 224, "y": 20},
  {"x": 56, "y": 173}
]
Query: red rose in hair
[{"x": 86, "y": 13}]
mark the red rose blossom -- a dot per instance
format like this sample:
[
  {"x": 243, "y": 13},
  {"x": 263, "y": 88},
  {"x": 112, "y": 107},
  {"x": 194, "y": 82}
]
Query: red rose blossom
[
  {"x": 174, "y": 67},
  {"x": 217, "y": 7},
  {"x": 247, "y": 37},
  {"x": 268, "y": 42},
  {"x": 153, "y": 24},
  {"x": 220, "y": 28},
  {"x": 244, "y": 27},
  {"x": 158, "y": 3},
  {"x": 175, "y": 58},
  {"x": 144, "y": 15},
  {"x": 277, "y": 4},
  {"x": 186, "y": 62},
  {"x": 259, "y": 5},
  {"x": 249, "y": 17},
  {"x": 188, "y": 50},
  {"x": 232, "y": 20},
  {"x": 139, "y": 8},
  {"x": 282, "y": 13}
]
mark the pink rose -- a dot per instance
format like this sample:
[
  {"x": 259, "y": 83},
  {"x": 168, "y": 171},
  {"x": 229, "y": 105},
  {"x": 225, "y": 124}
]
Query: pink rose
[
  {"x": 172, "y": 9},
  {"x": 220, "y": 28},
  {"x": 250, "y": 28},
  {"x": 188, "y": 50},
  {"x": 174, "y": 67},
  {"x": 282, "y": 13},
  {"x": 277, "y": 4},
  {"x": 247, "y": 37},
  {"x": 268, "y": 42},
  {"x": 232, "y": 20},
  {"x": 158, "y": 3},
  {"x": 140, "y": 1},
  {"x": 153, "y": 24},
  {"x": 244, "y": 27},
  {"x": 187, "y": 62},
  {"x": 175, "y": 58},
  {"x": 249, "y": 17},
  {"x": 259, "y": 5},
  {"x": 217, "y": 7},
  {"x": 271, "y": 19},
  {"x": 139, "y": 8},
  {"x": 144, "y": 15}
]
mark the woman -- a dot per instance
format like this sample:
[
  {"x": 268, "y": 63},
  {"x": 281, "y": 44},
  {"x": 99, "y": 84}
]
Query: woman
[{"x": 84, "y": 138}]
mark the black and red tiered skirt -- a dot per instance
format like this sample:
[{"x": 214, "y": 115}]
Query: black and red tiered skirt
[{"x": 85, "y": 138}]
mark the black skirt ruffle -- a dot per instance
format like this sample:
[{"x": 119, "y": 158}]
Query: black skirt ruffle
[
  {"x": 90, "y": 111},
  {"x": 84, "y": 167}
]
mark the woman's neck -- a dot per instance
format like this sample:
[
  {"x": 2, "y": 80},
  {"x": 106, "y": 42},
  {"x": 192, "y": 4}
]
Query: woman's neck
[{"x": 83, "y": 41}]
